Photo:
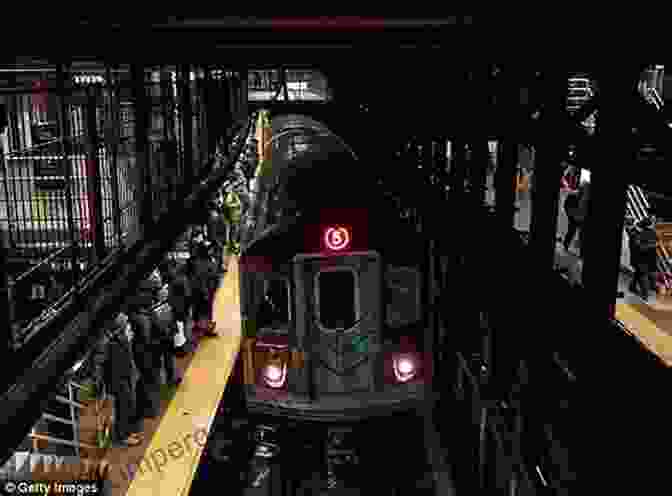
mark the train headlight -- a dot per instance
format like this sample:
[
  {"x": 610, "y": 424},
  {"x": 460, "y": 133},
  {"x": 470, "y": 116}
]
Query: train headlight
[
  {"x": 405, "y": 367},
  {"x": 275, "y": 374}
]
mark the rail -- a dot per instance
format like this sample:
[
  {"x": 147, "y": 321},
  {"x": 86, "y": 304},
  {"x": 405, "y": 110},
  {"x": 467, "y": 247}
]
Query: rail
[{"x": 492, "y": 416}]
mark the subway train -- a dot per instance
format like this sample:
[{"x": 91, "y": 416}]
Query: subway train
[{"x": 331, "y": 285}]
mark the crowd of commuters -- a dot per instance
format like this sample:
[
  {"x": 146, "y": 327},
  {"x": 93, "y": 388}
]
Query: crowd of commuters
[{"x": 168, "y": 315}]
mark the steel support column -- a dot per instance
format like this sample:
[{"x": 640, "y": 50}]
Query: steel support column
[
  {"x": 479, "y": 142},
  {"x": 66, "y": 150},
  {"x": 550, "y": 151},
  {"x": 210, "y": 110},
  {"x": 112, "y": 138},
  {"x": 142, "y": 164},
  {"x": 636, "y": 425},
  {"x": 603, "y": 232},
  {"x": 474, "y": 267},
  {"x": 551, "y": 148},
  {"x": 233, "y": 95},
  {"x": 94, "y": 188},
  {"x": 226, "y": 116},
  {"x": 169, "y": 145},
  {"x": 243, "y": 93},
  {"x": 508, "y": 139},
  {"x": 505, "y": 181},
  {"x": 6, "y": 313},
  {"x": 187, "y": 126}
]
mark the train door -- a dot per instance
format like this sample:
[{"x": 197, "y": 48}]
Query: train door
[{"x": 338, "y": 320}]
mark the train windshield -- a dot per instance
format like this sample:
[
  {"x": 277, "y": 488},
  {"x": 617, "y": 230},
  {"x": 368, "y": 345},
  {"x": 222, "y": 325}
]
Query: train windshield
[
  {"x": 275, "y": 310},
  {"x": 336, "y": 299}
]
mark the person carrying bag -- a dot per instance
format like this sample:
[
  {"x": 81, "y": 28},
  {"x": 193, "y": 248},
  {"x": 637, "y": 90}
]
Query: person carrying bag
[
  {"x": 179, "y": 298},
  {"x": 165, "y": 331}
]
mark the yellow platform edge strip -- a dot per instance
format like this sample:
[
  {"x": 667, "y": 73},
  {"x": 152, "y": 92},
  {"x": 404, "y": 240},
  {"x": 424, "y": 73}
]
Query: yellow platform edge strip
[
  {"x": 171, "y": 460},
  {"x": 646, "y": 331}
]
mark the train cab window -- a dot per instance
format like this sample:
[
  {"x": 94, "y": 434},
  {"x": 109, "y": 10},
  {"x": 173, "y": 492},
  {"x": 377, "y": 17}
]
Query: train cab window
[
  {"x": 336, "y": 298},
  {"x": 276, "y": 307},
  {"x": 403, "y": 296}
]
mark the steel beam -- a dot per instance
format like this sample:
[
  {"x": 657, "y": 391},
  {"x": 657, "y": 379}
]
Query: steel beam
[
  {"x": 142, "y": 162},
  {"x": 112, "y": 140},
  {"x": 187, "y": 126},
  {"x": 94, "y": 188},
  {"x": 606, "y": 210},
  {"x": 66, "y": 151}
]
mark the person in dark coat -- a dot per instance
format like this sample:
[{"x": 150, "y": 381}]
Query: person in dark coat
[
  {"x": 217, "y": 232},
  {"x": 576, "y": 208},
  {"x": 204, "y": 278},
  {"x": 643, "y": 258},
  {"x": 179, "y": 297},
  {"x": 147, "y": 349},
  {"x": 115, "y": 366},
  {"x": 165, "y": 326}
]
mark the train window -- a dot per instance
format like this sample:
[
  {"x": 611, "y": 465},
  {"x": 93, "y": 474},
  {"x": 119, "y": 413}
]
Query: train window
[
  {"x": 403, "y": 296},
  {"x": 336, "y": 298},
  {"x": 276, "y": 311}
]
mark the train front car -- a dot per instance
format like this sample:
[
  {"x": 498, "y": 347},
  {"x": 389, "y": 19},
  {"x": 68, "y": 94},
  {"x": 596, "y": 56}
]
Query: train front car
[{"x": 330, "y": 286}]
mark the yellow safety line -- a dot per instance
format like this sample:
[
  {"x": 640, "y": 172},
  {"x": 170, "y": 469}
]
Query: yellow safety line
[
  {"x": 173, "y": 455},
  {"x": 648, "y": 333}
]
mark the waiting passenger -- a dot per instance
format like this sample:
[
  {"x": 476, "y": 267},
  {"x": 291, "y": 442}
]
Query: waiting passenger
[
  {"x": 204, "y": 279},
  {"x": 179, "y": 297},
  {"x": 147, "y": 349},
  {"x": 165, "y": 328},
  {"x": 643, "y": 258},
  {"x": 576, "y": 208},
  {"x": 115, "y": 366},
  {"x": 217, "y": 233}
]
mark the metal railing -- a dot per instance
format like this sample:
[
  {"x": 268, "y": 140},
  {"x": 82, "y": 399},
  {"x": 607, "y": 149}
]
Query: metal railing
[{"x": 75, "y": 183}]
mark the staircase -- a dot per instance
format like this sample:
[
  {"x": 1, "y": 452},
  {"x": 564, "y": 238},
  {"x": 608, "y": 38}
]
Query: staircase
[{"x": 579, "y": 92}]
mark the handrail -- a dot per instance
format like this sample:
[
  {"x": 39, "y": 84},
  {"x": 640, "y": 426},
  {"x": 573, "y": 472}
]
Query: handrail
[
  {"x": 60, "y": 420},
  {"x": 655, "y": 98},
  {"x": 66, "y": 401},
  {"x": 56, "y": 440}
]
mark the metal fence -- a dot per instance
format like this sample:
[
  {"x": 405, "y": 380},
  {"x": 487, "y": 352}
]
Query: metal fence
[{"x": 89, "y": 158}]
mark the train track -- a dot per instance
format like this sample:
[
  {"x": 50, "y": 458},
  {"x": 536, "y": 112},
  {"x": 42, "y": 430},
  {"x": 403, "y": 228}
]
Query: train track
[{"x": 257, "y": 456}]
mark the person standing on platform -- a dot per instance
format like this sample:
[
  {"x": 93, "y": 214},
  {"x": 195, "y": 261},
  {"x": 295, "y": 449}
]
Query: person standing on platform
[
  {"x": 180, "y": 300},
  {"x": 204, "y": 279},
  {"x": 218, "y": 233},
  {"x": 571, "y": 208},
  {"x": 165, "y": 327},
  {"x": 643, "y": 258},
  {"x": 146, "y": 348},
  {"x": 115, "y": 367},
  {"x": 576, "y": 208}
]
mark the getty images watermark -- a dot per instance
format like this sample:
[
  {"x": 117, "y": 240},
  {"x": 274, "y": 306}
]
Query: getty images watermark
[{"x": 157, "y": 460}]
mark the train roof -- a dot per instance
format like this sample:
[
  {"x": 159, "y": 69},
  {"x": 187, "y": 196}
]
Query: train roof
[{"x": 310, "y": 165}]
